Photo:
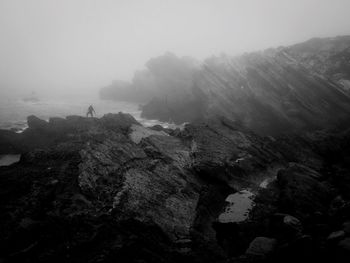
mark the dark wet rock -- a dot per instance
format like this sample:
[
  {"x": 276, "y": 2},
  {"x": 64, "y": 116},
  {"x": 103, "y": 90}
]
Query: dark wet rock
[
  {"x": 336, "y": 236},
  {"x": 301, "y": 194},
  {"x": 224, "y": 151},
  {"x": 10, "y": 142},
  {"x": 157, "y": 127},
  {"x": 36, "y": 124},
  {"x": 85, "y": 190},
  {"x": 292, "y": 222},
  {"x": 262, "y": 246},
  {"x": 179, "y": 112},
  {"x": 167, "y": 130},
  {"x": 139, "y": 132},
  {"x": 118, "y": 121},
  {"x": 302, "y": 169},
  {"x": 285, "y": 226},
  {"x": 95, "y": 175}
]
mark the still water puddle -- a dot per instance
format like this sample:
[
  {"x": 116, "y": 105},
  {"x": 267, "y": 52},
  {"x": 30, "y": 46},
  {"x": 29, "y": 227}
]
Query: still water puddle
[
  {"x": 8, "y": 159},
  {"x": 241, "y": 203},
  {"x": 238, "y": 208}
]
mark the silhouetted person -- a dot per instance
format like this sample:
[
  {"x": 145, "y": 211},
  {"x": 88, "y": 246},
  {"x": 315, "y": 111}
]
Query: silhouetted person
[{"x": 90, "y": 111}]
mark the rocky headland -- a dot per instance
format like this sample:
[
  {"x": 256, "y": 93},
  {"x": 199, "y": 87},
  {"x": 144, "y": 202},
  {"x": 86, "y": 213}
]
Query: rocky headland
[
  {"x": 111, "y": 190},
  {"x": 304, "y": 87}
]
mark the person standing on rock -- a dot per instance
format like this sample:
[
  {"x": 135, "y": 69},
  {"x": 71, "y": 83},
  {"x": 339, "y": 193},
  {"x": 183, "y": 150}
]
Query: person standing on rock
[{"x": 90, "y": 111}]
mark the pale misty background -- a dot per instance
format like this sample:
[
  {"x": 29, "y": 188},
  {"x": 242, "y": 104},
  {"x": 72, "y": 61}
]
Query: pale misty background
[{"x": 67, "y": 47}]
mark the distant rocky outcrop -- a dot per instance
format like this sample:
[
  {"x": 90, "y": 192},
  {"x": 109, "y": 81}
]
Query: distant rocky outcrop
[
  {"x": 108, "y": 189},
  {"x": 304, "y": 87},
  {"x": 328, "y": 57},
  {"x": 270, "y": 92},
  {"x": 163, "y": 77},
  {"x": 44, "y": 134}
]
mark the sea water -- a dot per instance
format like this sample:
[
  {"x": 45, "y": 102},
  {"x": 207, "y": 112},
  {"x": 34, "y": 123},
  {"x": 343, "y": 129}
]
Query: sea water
[{"x": 14, "y": 112}]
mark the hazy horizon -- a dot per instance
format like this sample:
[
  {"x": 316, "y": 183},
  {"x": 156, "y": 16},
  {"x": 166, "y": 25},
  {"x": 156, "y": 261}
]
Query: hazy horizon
[{"x": 68, "y": 47}]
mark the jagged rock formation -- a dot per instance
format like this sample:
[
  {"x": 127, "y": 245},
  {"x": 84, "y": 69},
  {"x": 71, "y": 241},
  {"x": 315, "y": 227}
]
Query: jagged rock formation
[
  {"x": 164, "y": 77},
  {"x": 329, "y": 57},
  {"x": 106, "y": 190},
  {"x": 270, "y": 92},
  {"x": 303, "y": 87},
  {"x": 42, "y": 134}
]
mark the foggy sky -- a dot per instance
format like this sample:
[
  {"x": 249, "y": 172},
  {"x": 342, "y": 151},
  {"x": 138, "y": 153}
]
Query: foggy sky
[{"x": 67, "y": 46}]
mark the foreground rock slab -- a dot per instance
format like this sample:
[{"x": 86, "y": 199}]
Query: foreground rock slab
[{"x": 89, "y": 190}]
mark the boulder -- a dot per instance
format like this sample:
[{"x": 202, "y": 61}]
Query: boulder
[
  {"x": 58, "y": 125},
  {"x": 262, "y": 246},
  {"x": 118, "y": 122},
  {"x": 285, "y": 226},
  {"x": 299, "y": 168},
  {"x": 292, "y": 222},
  {"x": 36, "y": 123},
  {"x": 336, "y": 236}
]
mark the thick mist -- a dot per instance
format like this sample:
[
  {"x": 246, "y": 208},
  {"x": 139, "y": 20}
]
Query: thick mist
[{"x": 78, "y": 46}]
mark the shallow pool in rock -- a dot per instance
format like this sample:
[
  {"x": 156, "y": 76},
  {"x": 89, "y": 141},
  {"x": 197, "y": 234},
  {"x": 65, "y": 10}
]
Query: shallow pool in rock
[
  {"x": 8, "y": 159},
  {"x": 240, "y": 204},
  {"x": 238, "y": 207}
]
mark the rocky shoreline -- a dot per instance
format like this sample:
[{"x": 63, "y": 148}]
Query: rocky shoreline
[
  {"x": 109, "y": 189},
  {"x": 303, "y": 87}
]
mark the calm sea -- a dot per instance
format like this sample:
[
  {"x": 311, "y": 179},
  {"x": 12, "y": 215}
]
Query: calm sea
[{"x": 14, "y": 112}]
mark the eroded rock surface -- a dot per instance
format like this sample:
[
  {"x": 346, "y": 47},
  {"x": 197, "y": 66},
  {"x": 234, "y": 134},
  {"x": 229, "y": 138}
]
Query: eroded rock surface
[
  {"x": 88, "y": 191},
  {"x": 304, "y": 87}
]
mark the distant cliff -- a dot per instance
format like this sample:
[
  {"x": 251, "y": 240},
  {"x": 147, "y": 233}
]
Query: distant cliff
[
  {"x": 329, "y": 57},
  {"x": 165, "y": 76},
  {"x": 287, "y": 89}
]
